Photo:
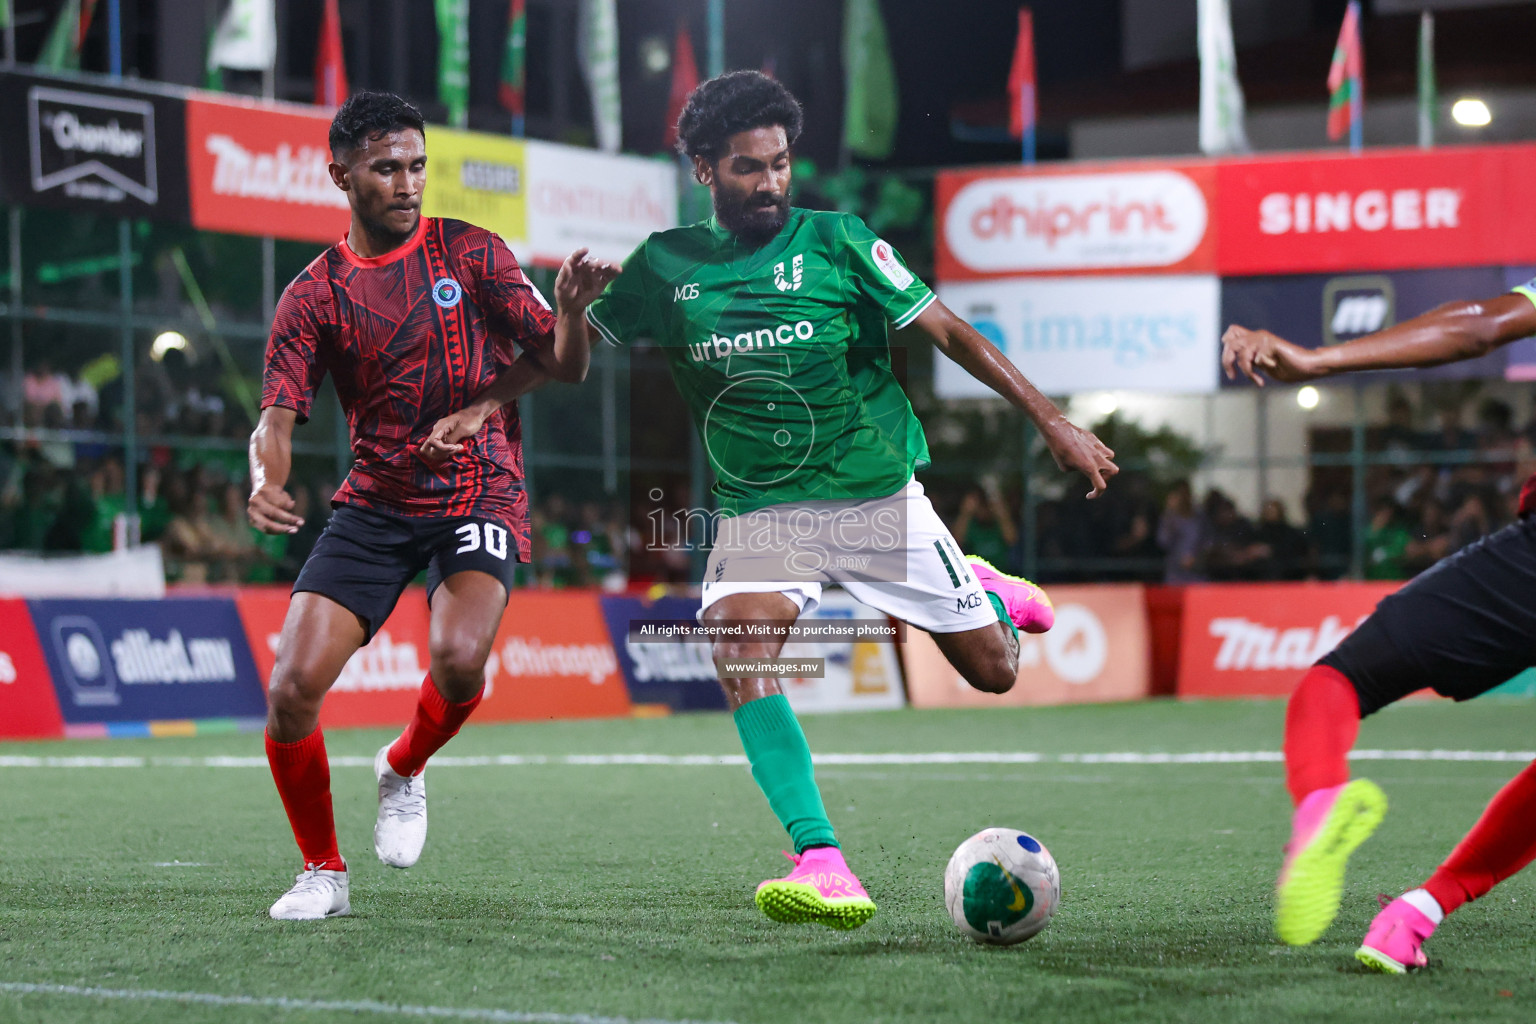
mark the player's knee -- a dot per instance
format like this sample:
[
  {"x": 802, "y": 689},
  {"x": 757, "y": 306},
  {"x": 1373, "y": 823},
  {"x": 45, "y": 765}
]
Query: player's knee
[
  {"x": 458, "y": 668},
  {"x": 996, "y": 675}
]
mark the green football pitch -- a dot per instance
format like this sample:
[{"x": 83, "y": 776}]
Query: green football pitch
[{"x": 567, "y": 880}]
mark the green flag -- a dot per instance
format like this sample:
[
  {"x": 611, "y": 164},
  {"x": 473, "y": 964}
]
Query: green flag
[
  {"x": 453, "y": 59},
  {"x": 61, "y": 51},
  {"x": 869, "y": 117}
]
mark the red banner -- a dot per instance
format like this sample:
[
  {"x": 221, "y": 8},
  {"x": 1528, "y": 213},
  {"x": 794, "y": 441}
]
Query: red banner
[
  {"x": 1097, "y": 651},
  {"x": 1007, "y": 222},
  {"x": 260, "y": 169},
  {"x": 1257, "y": 640},
  {"x": 552, "y": 659},
  {"x": 1383, "y": 210},
  {"x": 29, "y": 709}
]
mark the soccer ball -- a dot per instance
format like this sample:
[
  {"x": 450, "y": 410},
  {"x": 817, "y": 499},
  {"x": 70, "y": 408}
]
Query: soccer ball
[{"x": 1001, "y": 886}]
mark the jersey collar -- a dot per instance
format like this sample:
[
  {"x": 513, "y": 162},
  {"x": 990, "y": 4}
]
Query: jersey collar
[{"x": 394, "y": 255}]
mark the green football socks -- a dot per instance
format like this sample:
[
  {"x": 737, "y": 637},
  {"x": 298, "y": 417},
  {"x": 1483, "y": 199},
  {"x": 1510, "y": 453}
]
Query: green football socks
[
  {"x": 1002, "y": 614},
  {"x": 781, "y": 764}
]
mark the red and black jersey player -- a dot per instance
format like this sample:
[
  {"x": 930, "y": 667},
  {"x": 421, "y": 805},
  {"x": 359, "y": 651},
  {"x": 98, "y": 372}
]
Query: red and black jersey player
[{"x": 407, "y": 314}]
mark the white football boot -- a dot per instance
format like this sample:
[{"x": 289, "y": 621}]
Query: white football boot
[
  {"x": 401, "y": 829},
  {"x": 316, "y": 894}
]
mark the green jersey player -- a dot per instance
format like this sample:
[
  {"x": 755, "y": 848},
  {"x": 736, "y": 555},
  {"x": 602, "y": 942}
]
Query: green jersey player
[{"x": 773, "y": 321}]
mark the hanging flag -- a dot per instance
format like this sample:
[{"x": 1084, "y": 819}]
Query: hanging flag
[
  {"x": 246, "y": 39},
  {"x": 1428, "y": 94},
  {"x": 1021, "y": 86},
  {"x": 330, "y": 64},
  {"x": 685, "y": 79},
  {"x": 869, "y": 106},
  {"x": 514, "y": 66},
  {"x": 598, "y": 32},
  {"x": 453, "y": 60},
  {"x": 1346, "y": 80},
  {"x": 1221, "y": 95},
  {"x": 61, "y": 50}
]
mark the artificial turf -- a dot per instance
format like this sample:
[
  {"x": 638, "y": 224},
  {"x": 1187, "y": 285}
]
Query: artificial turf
[{"x": 626, "y": 890}]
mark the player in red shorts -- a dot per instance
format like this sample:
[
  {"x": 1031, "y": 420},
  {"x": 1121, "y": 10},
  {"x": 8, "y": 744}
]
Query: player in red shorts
[
  {"x": 409, "y": 315},
  {"x": 1461, "y": 628}
]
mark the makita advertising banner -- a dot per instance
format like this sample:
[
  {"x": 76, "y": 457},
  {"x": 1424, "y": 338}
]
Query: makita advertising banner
[
  {"x": 80, "y": 143},
  {"x": 1256, "y": 640},
  {"x": 1314, "y": 310},
  {"x": 29, "y": 709},
  {"x": 143, "y": 661},
  {"x": 261, "y": 169},
  {"x": 1099, "y": 650},
  {"x": 1076, "y": 334}
]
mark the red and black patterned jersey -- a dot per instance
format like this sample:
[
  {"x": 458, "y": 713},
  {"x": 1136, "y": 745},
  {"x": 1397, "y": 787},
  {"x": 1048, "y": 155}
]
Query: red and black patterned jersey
[{"x": 410, "y": 337}]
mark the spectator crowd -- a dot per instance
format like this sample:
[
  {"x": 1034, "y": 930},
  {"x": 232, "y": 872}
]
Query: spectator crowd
[{"x": 1436, "y": 486}]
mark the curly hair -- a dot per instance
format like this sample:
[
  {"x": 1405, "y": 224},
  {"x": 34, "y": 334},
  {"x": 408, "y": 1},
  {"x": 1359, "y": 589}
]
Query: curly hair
[
  {"x": 736, "y": 102},
  {"x": 372, "y": 115}
]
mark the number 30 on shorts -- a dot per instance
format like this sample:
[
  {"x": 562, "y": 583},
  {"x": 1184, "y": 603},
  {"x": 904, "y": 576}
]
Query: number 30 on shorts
[{"x": 495, "y": 539}]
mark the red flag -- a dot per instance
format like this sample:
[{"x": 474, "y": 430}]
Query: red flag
[
  {"x": 1021, "y": 79},
  {"x": 685, "y": 79},
  {"x": 330, "y": 66},
  {"x": 87, "y": 12},
  {"x": 1346, "y": 74}
]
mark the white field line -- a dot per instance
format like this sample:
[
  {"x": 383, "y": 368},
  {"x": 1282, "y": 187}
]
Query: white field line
[
  {"x": 738, "y": 761},
  {"x": 324, "y": 1005}
]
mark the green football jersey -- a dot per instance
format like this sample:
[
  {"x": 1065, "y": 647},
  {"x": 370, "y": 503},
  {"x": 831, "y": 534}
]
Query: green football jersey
[{"x": 781, "y": 354}]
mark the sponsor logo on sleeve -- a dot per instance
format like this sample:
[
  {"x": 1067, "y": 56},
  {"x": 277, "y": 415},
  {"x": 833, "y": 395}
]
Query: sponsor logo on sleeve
[{"x": 885, "y": 258}]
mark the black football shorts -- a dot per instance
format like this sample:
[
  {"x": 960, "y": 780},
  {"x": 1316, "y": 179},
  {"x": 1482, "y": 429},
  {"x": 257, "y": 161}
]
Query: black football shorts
[
  {"x": 1460, "y": 628},
  {"x": 365, "y": 558}
]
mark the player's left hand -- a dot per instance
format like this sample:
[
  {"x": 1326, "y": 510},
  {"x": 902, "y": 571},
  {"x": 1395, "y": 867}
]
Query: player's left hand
[
  {"x": 581, "y": 280},
  {"x": 1075, "y": 448},
  {"x": 444, "y": 440}
]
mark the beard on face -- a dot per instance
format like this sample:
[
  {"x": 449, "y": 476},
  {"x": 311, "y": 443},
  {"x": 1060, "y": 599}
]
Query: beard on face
[
  {"x": 754, "y": 218},
  {"x": 379, "y": 228}
]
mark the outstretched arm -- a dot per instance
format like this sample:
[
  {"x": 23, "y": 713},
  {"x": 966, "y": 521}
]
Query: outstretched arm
[
  {"x": 1446, "y": 334},
  {"x": 1071, "y": 446},
  {"x": 581, "y": 280}
]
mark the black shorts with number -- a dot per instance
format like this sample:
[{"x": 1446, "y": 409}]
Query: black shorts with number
[
  {"x": 1460, "y": 629},
  {"x": 364, "y": 558}
]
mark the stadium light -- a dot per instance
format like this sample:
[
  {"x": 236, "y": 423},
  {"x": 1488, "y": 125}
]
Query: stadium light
[
  {"x": 1471, "y": 113},
  {"x": 1106, "y": 403},
  {"x": 1308, "y": 397},
  {"x": 167, "y": 341}
]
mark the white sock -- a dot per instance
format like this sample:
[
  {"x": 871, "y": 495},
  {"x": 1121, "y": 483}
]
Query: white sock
[{"x": 1424, "y": 903}]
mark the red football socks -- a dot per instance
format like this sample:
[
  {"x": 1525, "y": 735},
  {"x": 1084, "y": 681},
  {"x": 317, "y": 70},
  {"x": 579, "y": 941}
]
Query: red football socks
[
  {"x": 1501, "y": 843},
  {"x": 434, "y": 724},
  {"x": 1321, "y": 723},
  {"x": 303, "y": 776}
]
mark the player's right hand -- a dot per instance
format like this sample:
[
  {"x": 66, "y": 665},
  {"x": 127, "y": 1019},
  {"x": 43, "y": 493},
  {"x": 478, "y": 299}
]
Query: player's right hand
[
  {"x": 1075, "y": 448},
  {"x": 1258, "y": 353},
  {"x": 444, "y": 440},
  {"x": 270, "y": 510}
]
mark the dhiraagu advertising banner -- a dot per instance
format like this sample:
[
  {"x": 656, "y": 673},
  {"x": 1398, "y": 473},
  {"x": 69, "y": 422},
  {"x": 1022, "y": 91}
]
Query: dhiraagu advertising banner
[
  {"x": 1071, "y": 334},
  {"x": 481, "y": 179}
]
